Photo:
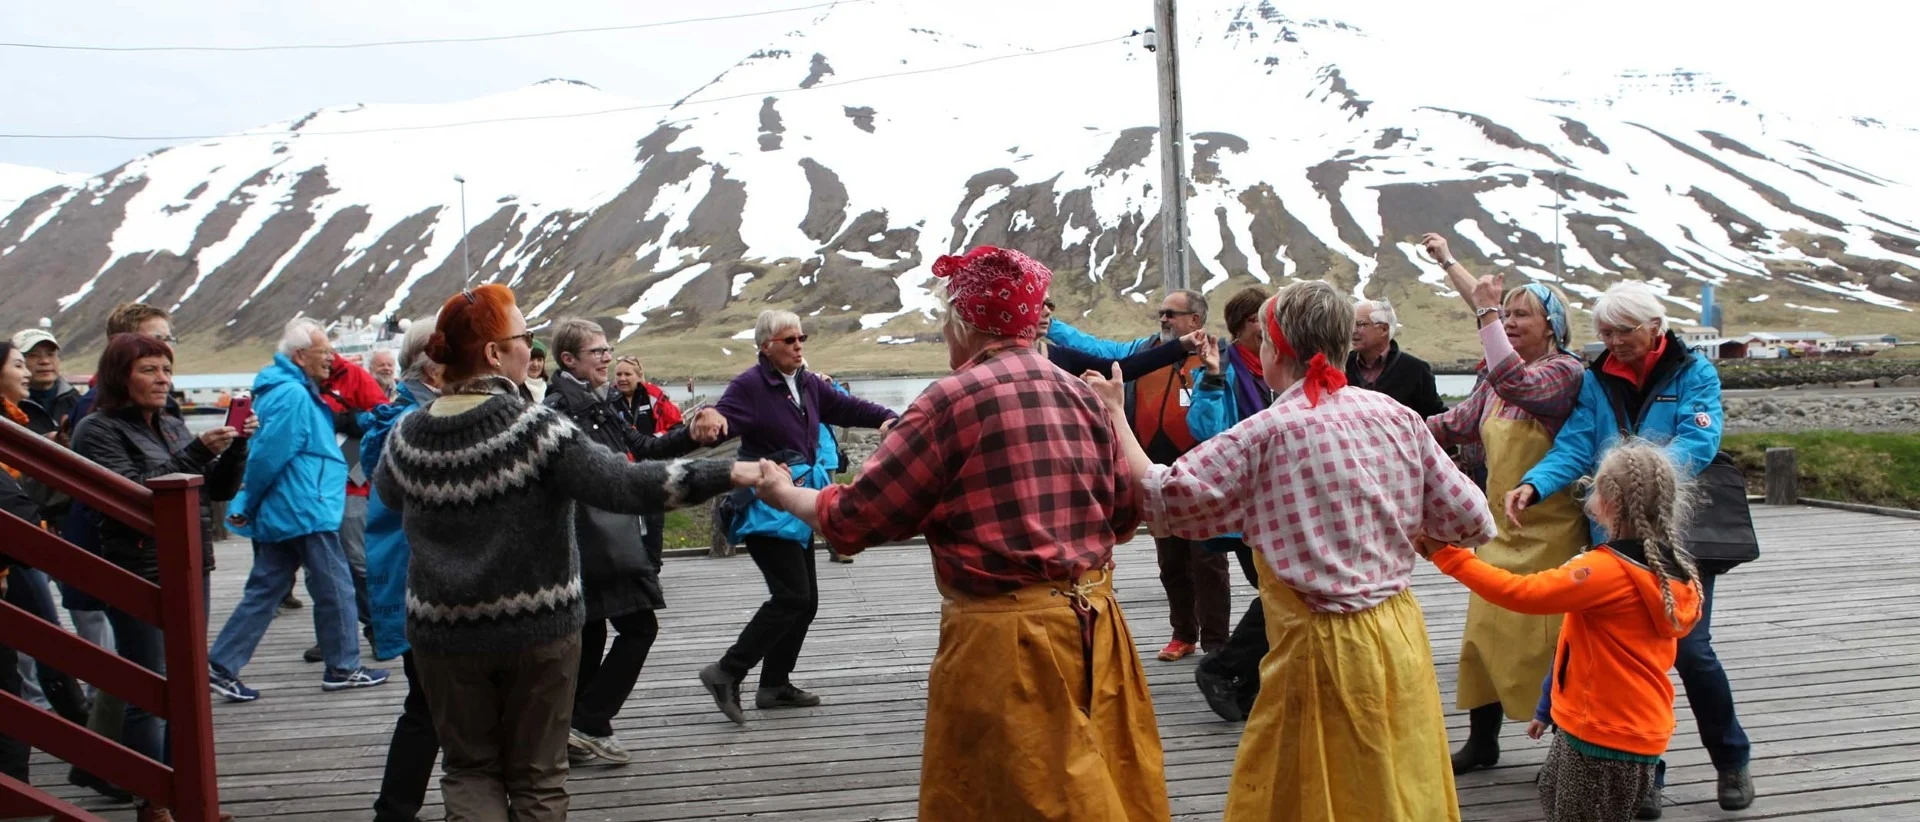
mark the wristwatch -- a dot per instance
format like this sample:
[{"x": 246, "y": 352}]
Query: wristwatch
[{"x": 1449, "y": 262}]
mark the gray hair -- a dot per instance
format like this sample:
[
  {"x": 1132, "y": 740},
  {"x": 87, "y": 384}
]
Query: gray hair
[
  {"x": 298, "y": 333},
  {"x": 1381, "y": 311},
  {"x": 1316, "y": 318},
  {"x": 1629, "y": 304},
  {"x": 1196, "y": 301},
  {"x": 413, "y": 348},
  {"x": 771, "y": 322},
  {"x": 570, "y": 334}
]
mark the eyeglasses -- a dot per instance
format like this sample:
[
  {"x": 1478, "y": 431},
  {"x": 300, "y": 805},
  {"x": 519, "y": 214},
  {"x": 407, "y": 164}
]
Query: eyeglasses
[
  {"x": 1168, "y": 313},
  {"x": 1361, "y": 325},
  {"x": 800, "y": 338},
  {"x": 1612, "y": 334},
  {"x": 602, "y": 352},
  {"x": 169, "y": 339},
  {"x": 526, "y": 338}
]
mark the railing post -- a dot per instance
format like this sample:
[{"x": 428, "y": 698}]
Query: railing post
[
  {"x": 1783, "y": 476},
  {"x": 183, "y": 617}
]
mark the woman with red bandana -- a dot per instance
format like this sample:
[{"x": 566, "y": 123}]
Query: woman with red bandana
[
  {"x": 1037, "y": 705},
  {"x": 1329, "y": 485}
]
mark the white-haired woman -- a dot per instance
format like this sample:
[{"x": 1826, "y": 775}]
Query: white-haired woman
[
  {"x": 1527, "y": 388},
  {"x": 776, "y": 408},
  {"x": 1330, "y": 487},
  {"x": 1649, "y": 384}
]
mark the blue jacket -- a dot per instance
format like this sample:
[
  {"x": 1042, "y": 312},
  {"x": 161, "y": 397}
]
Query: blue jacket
[
  {"x": 296, "y": 476},
  {"x": 1063, "y": 334},
  {"x": 1681, "y": 410},
  {"x": 387, "y": 549}
]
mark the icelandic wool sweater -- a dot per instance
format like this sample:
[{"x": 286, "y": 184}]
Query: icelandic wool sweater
[{"x": 487, "y": 499}]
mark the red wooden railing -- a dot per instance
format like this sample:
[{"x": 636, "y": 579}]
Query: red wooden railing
[{"x": 168, "y": 509}]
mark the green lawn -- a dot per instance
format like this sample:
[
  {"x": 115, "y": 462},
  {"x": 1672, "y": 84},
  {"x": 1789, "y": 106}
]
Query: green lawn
[{"x": 1876, "y": 469}]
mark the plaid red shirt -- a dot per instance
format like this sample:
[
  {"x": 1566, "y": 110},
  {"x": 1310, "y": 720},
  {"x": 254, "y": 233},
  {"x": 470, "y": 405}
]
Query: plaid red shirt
[
  {"x": 1011, "y": 469},
  {"x": 1543, "y": 390}
]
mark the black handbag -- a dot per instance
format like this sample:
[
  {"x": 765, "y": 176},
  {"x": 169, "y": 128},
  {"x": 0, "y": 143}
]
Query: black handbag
[
  {"x": 1721, "y": 534},
  {"x": 610, "y": 544}
]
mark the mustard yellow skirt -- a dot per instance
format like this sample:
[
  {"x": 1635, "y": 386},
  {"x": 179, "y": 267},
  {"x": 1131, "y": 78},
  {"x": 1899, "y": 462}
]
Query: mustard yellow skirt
[
  {"x": 1035, "y": 714},
  {"x": 1348, "y": 726}
]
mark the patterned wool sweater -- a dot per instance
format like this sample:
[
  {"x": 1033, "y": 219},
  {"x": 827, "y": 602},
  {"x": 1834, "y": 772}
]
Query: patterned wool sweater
[{"x": 487, "y": 498}]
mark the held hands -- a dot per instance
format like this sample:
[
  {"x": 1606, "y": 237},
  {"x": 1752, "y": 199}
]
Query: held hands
[
  {"x": 708, "y": 426},
  {"x": 1112, "y": 390},
  {"x": 217, "y": 439},
  {"x": 1210, "y": 354},
  {"x": 888, "y": 425},
  {"x": 747, "y": 474},
  {"x": 1427, "y": 546},
  {"x": 774, "y": 478},
  {"x": 1518, "y": 500},
  {"x": 1194, "y": 341}
]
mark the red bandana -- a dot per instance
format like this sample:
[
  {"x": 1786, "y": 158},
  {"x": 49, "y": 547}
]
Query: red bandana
[
  {"x": 1321, "y": 378},
  {"x": 996, "y": 289}
]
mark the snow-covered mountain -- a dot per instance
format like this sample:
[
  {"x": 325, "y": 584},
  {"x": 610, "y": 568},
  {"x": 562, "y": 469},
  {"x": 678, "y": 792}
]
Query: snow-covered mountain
[{"x": 826, "y": 170}]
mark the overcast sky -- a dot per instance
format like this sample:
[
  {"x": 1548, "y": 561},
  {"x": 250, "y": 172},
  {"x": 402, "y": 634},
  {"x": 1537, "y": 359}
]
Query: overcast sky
[{"x": 1834, "y": 56}]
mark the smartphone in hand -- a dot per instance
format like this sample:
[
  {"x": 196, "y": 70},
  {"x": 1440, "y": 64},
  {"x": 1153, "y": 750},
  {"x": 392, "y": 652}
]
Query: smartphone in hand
[{"x": 237, "y": 413}]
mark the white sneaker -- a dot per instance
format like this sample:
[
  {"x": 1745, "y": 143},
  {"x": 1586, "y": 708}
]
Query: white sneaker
[{"x": 604, "y": 747}]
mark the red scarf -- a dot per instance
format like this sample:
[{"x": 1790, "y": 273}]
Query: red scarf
[
  {"x": 1321, "y": 379},
  {"x": 1250, "y": 357},
  {"x": 1636, "y": 373}
]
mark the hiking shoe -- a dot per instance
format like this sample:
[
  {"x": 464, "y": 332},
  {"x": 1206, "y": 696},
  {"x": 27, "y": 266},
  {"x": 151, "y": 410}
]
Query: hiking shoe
[
  {"x": 840, "y": 558},
  {"x": 605, "y": 747},
  {"x": 288, "y": 603},
  {"x": 725, "y": 690},
  {"x": 1221, "y": 693},
  {"x": 229, "y": 686},
  {"x": 362, "y": 677},
  {"x": 313, "y": 655},
  {"x": 1176, "y": 650},
  {"x": 577, "y": 750},
  {"x": 85, "y": 779},
  {"x": 1649, "y": 804},
  {"x": 783, "y": 696},
  {"x": 1736, "y": 789}
]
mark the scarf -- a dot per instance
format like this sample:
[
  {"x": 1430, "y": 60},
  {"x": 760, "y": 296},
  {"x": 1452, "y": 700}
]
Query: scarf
[
  {"x": 1556, "y": 312},
  {"x": 20, "y": 418},
  {"x": 1250, "y": 391},
  {"x": 1322, "y": 379}
]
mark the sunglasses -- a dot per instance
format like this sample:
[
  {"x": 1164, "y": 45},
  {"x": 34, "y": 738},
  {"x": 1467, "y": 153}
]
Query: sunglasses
[
  {"x": 790, "y": 340},
  {"x": 1168, "y": 313}
]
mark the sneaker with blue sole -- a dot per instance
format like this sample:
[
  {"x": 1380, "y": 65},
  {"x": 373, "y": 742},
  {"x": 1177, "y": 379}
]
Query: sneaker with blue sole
[
  {"x": 229, "y": 686},
  {"x": 335, "y": 680}
]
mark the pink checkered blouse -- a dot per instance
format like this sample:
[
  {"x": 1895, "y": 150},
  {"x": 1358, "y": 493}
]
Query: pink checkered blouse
[{"x": 1330, "y": 497}]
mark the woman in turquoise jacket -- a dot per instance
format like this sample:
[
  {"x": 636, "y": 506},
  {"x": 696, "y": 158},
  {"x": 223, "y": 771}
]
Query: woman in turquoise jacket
[
  {"x": 1649, "y": 384},
  {"x": 1229, "y": 388}
]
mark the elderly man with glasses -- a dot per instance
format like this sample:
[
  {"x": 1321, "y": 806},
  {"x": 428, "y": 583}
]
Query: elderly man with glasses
[{"x": 1377, "y": 363}]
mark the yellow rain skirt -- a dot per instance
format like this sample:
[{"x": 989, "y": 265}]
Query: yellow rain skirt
[
  {"x": 1504, "y": 656},
  {"x": 1347, "y": 727},
  {"x": 1036, "y": 714}
]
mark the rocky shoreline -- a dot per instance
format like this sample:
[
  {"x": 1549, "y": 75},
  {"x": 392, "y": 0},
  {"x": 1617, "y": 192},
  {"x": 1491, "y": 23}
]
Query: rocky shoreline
[{"x": 1813, "y": 410}]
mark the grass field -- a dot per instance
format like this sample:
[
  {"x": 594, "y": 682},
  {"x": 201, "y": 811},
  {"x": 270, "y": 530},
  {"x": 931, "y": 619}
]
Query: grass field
[{"x": 1877, "y": 469}]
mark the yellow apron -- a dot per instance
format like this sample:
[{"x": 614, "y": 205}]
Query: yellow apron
[
  {"x": 1504, "y": 656},
  {"x": 1348, "y": 726},
  {"x": 1033, "y": 714}
]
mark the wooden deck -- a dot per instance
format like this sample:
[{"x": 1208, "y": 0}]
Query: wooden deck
[{"x": 1821, "y": 638}]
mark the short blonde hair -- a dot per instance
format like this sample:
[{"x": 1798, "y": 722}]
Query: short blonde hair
[{"x": 1315, "y": 317}]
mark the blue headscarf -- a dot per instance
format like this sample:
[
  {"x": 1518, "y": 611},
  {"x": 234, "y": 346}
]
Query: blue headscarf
[{"x": 1556, "y": 312}]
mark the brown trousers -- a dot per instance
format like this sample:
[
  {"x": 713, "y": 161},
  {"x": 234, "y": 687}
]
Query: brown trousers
[
  {"x": 1199, "y": 591},
  {"x": 502, "y": 720}
]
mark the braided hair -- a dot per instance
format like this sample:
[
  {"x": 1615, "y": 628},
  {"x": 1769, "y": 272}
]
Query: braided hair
[{"x": 1639, "y": 494}]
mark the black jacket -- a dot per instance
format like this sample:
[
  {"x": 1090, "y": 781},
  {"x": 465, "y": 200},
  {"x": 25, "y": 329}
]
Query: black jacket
[
  {"x": 123, "y": 442},
  {"x": 47, "y": 419},
  {"x": 620, "y": 577},
  {"x": 1406, "y": 378}
]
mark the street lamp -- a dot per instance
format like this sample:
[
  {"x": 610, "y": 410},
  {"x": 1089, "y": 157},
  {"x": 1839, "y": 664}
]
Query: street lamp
[{"x": 466, "y": 257}]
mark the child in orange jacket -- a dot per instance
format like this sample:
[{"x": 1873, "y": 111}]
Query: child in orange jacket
[{"x": 1627, "y": 604}]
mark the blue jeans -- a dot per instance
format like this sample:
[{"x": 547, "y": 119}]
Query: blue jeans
[
  {"x": 144, "y": 645},
  {"x": 329, "y": 583},
  {"x": 1708, "y": 692}
]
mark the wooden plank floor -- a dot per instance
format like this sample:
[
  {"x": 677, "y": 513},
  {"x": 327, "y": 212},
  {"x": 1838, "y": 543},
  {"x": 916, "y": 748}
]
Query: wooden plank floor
[{"x": 1821, "y": 638}]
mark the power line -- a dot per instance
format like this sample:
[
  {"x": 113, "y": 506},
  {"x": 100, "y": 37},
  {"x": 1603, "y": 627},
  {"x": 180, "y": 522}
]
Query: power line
[
  {"x": 428, "y": 40},
  {"x": 536, "y": 117}
]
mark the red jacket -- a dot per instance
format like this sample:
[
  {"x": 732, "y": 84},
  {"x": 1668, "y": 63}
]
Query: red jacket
[
  {"x": 352, "y": 388},
  {"x": 666, "y": 415}
]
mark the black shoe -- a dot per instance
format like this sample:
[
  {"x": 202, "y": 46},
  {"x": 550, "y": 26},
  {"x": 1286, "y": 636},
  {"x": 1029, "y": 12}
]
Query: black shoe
[
  {"x": 1473, "y": 757},
  {"x": 1483, "y": 740},
  {"x": 1220, "y": 693},
  {"x": 784, "y": 696},
  {"x": 313, "y": 654},
  {"x": 1649, "y": 804},
  {"x": 726, "y": 692},
  {"x": 83, "y": 779},
  {"x": 1736, "y": 789}
]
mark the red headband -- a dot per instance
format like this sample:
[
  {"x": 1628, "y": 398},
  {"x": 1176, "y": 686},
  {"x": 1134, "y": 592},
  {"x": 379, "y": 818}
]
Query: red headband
[{"x": 1322, "y": 378}]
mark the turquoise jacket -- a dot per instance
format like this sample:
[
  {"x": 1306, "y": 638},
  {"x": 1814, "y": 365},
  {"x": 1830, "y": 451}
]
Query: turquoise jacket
[
  {"x": 1064, "y": 334},
  {"x": 387, "y": 550},
  {"x": 296, "y": 480}
]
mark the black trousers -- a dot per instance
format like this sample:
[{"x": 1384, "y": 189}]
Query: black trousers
[
  {"x": 773, "y": 637},
  {"x": 13, "y": 752},
  {"x": 605, "y": 684},
  {"x": 410, "y": 755},
  {"x": 1240, "y": 658},
  {"x": 30, "y": 591}
]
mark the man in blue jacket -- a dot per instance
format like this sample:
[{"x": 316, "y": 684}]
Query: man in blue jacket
[{"x": 291, "y": 505}]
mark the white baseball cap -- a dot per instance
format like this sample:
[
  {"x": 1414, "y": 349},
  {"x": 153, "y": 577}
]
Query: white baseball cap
[{"x": 26, "y": 340}]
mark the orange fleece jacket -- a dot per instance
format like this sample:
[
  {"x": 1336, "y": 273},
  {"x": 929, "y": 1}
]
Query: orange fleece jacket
[{"x": 1610, "y": 685}]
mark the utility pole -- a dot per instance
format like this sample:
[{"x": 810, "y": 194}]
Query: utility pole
[
  {"x": 1164, "y": 40},
  {"x": 466, "y": 257}
]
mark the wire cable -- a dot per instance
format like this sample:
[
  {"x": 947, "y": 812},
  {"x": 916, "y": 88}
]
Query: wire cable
[
  {"x": 573, "y": 115},
  {"x": 427, "y": 40}
]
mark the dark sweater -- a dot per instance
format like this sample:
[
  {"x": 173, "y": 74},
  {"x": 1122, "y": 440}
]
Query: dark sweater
[
  {"x": 487, "y": 500},
  {"x": 1406, "y": 378}
]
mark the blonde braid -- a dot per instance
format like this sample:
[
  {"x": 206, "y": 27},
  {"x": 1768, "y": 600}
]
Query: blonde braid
[{"x": 1651, "y": 503}]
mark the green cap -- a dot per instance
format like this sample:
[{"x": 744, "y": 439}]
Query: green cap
[{"x": 540, "y": 348}]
